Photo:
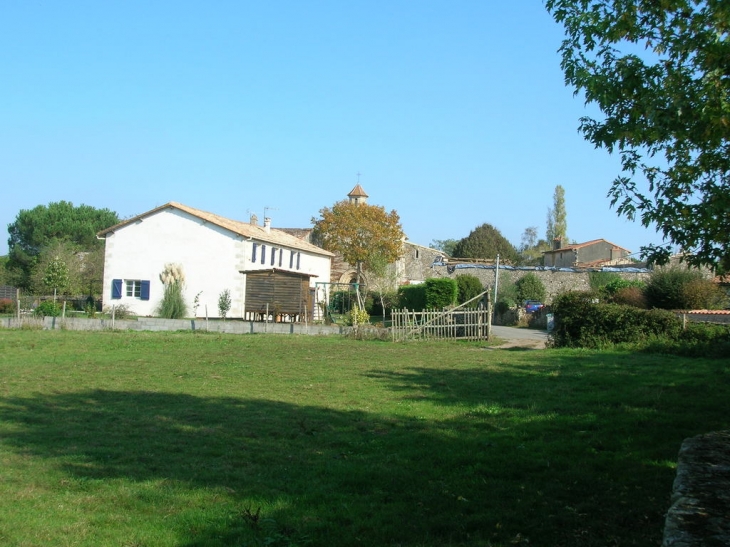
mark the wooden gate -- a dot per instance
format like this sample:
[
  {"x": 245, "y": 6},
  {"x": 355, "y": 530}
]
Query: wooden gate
[{"x": 458, "y": 323}]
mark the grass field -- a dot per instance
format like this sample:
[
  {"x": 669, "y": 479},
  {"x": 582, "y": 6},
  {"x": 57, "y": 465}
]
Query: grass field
[{"x": 144, "y": 439}]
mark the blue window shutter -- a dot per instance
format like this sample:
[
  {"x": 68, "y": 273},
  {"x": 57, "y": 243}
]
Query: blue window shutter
[
  {"x": 144, "y": 290},
  {"x": 116, "y": 288},
  {"x": 291, "y": 261},
  {"x": 253, "y": 253},
  {"x": 273, "y": 256},
  {"x": 281, "y": 256},
  {"x": 263, "y": 254},
  {"x": 299, "y": 258}
]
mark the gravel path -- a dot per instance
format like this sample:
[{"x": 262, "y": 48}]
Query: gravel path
[{"x": 520, "y": 338}]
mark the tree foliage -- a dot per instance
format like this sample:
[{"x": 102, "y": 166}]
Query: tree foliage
[
  {"x": 444, "y": 245},
  {"x": 36, "y": 229},
  {"x": 485, "y": 242},
  {"x": 468, "y": 286},
  {"x": 557, "y": 218},
  {"x": 530, "y": 287},
  {"x": 659, "y": 72},
  {"x": 683, "y": 289},
  {"x": 55, "y": 275},
  {"x": 361, "y": 233},
  {"x": 531, "y": 248}
]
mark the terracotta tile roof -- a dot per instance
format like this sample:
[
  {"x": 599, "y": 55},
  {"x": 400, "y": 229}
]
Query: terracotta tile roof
[
  {"x": 245, "y": 229},
  {"x": 357, "y": 192},
  {"x": 708, "y": 312}
]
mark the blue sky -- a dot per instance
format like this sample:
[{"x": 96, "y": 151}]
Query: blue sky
[{"x": 454, "y": 113}]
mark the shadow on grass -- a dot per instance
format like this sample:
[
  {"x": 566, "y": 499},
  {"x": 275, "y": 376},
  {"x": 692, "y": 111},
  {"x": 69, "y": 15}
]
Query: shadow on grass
[{"x": 568, "y": 459}]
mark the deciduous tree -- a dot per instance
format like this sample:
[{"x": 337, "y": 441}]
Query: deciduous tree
[
  {"x": 660, "y": 73},
  {"x": 360, "y": 232}
]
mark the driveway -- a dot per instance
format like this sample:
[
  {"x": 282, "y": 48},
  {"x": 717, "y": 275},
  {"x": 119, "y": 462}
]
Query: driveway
[{"x": 520, "y": 338}]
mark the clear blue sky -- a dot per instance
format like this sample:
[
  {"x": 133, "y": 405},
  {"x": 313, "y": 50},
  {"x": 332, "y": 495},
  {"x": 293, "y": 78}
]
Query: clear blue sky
[{"x": 454, "y": 112}]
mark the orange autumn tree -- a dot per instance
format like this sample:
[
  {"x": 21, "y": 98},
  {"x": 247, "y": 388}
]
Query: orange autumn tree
[{"x": 365, "y": 235}]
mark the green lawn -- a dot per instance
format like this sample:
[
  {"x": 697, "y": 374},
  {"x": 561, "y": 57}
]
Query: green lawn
[{"x": 144, "y": 439}]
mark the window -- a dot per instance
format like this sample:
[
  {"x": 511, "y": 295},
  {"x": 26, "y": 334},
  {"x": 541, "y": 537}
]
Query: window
[
  {"x": 263, "y": 254},
  {"x": 416, "y": 254},
  {"x": 134, "y": 288},
  {"x": 131, "y": 288},
  {"x": 273, "y": 256},
  {"x": 299, "y": 258},
  {"x": 291, "y": 260},
  {"x": 281, "y": 256},
  {"x": 253, "y": 252}
]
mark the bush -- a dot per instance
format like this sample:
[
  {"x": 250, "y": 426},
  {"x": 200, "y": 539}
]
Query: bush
[
  {"x": 441, "y": 292},
  {"x": 374, "y": 302},
  {"x": 357, "y": 316},
  {"x": 580, "y": 321},
  {"x": 7, "y": 306},
  {"x": 598, "y": 280},
  {"x": 530, "y": 287},
  {"x": 682, "y": 289},
  {"x": 412, "y": 297},
  {"x": 618, "y": 284},
  {"x": 49, "y": 308},
  {"x": 703, "y": 294},
  {"x": 468, "y": 286},
  {"x": 630, "y": 296},
  {"x": 120, "y": 311}
]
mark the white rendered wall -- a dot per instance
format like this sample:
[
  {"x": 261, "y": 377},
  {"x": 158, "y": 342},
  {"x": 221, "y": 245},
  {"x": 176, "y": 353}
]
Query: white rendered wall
[{"x": 211, "y": 257}]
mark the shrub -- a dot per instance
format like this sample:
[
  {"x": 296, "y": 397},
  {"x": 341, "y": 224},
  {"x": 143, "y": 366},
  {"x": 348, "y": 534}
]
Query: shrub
[
  {"x": 668, "y": 289},
  {"x": 441, "y": 292},
  {"x": 702, "y": 294},
  {"x": 357, "y": 316},
  {"x": 468, "y": 286},
  {"x": 120, "y": 311},
  {"x": 530, "y": 287},
  {"x": 598, "y": 280},
  {"x": 412, "y": 297},
  {"x": 580, "y": 321},
  {"x": 377, "y": 303},
  {"x": 7, "y": 306},
  {"x": 49, "y": 308},
  {"x": 615, "y": 285},
  {"x": 630, "y": 296}
]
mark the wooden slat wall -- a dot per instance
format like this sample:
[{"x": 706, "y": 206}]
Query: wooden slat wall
[{"x": 283, "y": 293}]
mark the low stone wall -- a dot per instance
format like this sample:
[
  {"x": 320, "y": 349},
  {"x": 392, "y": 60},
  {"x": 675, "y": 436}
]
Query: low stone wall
[
  {"x": 157, "y": 324},
  {"x": 700, "y": 512},
  {"x": 555, "y": 281}
]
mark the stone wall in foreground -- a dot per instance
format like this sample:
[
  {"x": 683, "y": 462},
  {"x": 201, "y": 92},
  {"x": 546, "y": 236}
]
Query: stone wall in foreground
[{"x": 700, "y": 512}]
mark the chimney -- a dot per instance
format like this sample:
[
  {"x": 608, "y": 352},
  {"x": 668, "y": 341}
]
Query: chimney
[
  {"x": 254, "y": 220},
  {"x": 557, "y": 243},
  {"x": 267, "y": 225}
]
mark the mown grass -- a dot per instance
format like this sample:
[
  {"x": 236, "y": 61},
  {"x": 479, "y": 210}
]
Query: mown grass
[{"x": 143, "y": 439}]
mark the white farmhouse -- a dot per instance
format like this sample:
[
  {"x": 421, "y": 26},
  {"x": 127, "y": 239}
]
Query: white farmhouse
[{"x": 264, "y": 269}]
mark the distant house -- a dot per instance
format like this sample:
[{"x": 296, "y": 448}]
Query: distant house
[
  {"x": 263, "y": 268},
  {"x": 596, "y": 253}
]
